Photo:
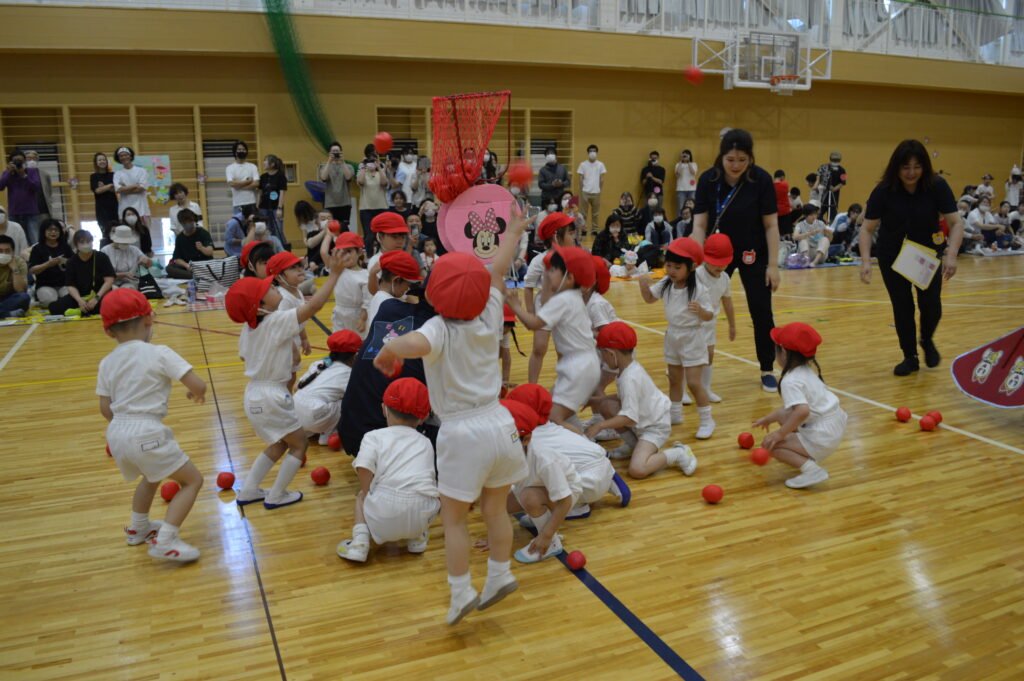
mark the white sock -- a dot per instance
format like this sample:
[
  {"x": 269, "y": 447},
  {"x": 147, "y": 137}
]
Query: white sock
[
  {"x": 289, "y": 467},
  {"x": 260, "y": 467},
  {"x": 498, "y": 569},
  {"x": 460, "y": 583},
  {"x": 360, "y": 534},
  {"x": 705, "y": 377},
  {"x": 704, "y": 413},
  {"x": 541, "y": 521},
  {"x": 167, "y": 533},
  {"x": 677, "y": 407},
  {"x": 139, "y": 520}
]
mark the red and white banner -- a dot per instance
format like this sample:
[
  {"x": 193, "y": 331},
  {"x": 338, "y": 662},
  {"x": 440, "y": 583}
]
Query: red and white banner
[{"x": 994, "y": 372}]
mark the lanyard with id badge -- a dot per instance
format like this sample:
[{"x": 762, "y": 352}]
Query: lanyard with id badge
[{"x": 721, "y": 206}]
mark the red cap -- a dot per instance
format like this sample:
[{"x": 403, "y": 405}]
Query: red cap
[
  {"x": 578, "y": 262},
  {"x": 603, "y": 276},
  {"x": 459, "y": 286},
  {"x": 795, "y": 337},
  {"x": 246, "y": 250},
  {"x": 349, "y": 240},
  {"x": 408, "y": 396},
  {"x": 344, "y": 341},
  {"x": 389, "y": 223},
  {"x": 526, "y": 418},
  {"x": 534, "y": 396},
  {"x": 400, "y": 264},
  {"x": 552, "y": 223},
  {"x": 616, "y": 336},
  {"x": 279, "y": 262},
  {"x": 123, "y": 304},
  {"x": 243, "y": 299},
  {"x": 718, "y": 250},
  {"x": 688, "y": 248},
  {"x": 510, "y": 316}
]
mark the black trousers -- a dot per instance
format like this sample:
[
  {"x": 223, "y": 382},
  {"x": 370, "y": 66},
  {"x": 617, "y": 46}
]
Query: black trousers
[
  {"x": 901, "y": 294},
  {"x": 65, "y": 303},
  {"x": 365, "y": 218},
  {"x": 759, "y": 303},
  {"x": 342, "y": 214}
]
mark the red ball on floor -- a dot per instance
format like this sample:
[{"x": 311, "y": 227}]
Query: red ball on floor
[
  {"x": 928, "y": 423},
  {"x": 576, "y": 560},
  {"x": 169, "y": 489},
  {"x": 320, "y": 475},
  {"x": 903, "y": 414},
  {"x": 760, "y": 456},
  {"x": 334, "y": 442},
  {"x": 712, "y": 494},
  {"x": 936, "y": 416},
  {"x": 225, "y": 480},
  {"x": 746, "y": 440}
]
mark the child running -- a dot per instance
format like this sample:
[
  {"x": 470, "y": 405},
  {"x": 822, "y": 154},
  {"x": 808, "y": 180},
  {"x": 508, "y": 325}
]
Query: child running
[
  {"x": 711, "y": 275},
  {"x": 397, "y": 497},
  {"x": 134, "y": 384},
  {"x": 318, "y": 399},
  {"x": 267, "y": 352},
  {"x": 812, "y": 422}
]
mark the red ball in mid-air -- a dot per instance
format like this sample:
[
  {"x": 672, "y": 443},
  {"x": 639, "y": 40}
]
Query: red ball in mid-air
[
  {"x": 576, "y": 560},
  {"x": 746, "y": 440},
  {"x": 903, "y": 414},
  {"x": 519, "y": 173},
  {"x": 320, "y": 475},
  {"x": 334, "y": 227},
  {"x": 693, "y": 75},
  {"x": 712, "y": 494},
  {"x": 225, "y": 480},
  {"x": 334, "y": 442},
  {"x": 383, "y": 143},
  {"x": 760, "y": 456},
  {"x": 169, "y": 489},
  {"x": 928, "y": 423},
  {"x": 936, "y": 416}
]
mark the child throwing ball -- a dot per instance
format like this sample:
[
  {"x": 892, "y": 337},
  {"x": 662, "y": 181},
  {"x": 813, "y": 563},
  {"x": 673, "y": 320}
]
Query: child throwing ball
[{"x": 812, "y": 422}]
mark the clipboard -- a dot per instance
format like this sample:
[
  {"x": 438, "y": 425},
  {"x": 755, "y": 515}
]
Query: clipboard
[{"x": 917, "y": 264}]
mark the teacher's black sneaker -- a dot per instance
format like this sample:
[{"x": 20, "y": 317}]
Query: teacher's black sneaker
[
  {"x": 931, "y": 354},
  {"x": 908, "y": 366}
]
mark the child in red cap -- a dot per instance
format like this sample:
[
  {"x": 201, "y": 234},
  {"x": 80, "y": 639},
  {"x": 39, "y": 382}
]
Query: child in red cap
[
  {"x": 351, "y": 294},
  {"x": 398, "y": 495},
  {"x": 134, "y": 384},
  {"x": 398, "y": 270},
  {"x": 601, "y": 313},
  {"x": 318, "y": 399},
  {"x": 711, "y": 275},
  {"x": 564, "y": 314},
  {"x": 267, "y": 352},
  {"x": 640, "y": 412},
  {"x": 557, "y": 230},
  {"x": 391, "y": 233},
  {"x": 812, "y": 422},
  {"x": 687, "y": 307},
  {"x": 478, "y": 455},
  {"x": 287, "y": 271}
]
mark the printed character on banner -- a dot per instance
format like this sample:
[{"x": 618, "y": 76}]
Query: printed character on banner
[
  {"x": 485, "y": 232},
  {"x": 983, "y": 369},
  {"x": 1014, "y": 379}
]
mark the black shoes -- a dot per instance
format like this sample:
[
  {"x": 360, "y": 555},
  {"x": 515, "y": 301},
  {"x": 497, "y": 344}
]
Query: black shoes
[
  {"x": 908, "y": 366},
  {"x": 931, "y": 354}
]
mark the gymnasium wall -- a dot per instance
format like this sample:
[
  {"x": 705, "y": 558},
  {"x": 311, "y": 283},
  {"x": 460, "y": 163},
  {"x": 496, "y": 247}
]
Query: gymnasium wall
[{"x": 626, "y": 111}]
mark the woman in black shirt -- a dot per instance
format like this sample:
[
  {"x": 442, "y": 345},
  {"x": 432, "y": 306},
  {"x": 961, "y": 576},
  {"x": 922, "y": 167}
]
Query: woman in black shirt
[
  {"x": 273, "y": 185},
  {"x": 48, "y": 262},
  {"x": 131, "y": 217},
  {"x": 102, "y": 184},
  {"x": 611, "y": 242},
  {"x": 737, "y": 198},
  {"x": 90, "y": 276},
  {"x": 628, "y": 214},
  {"x": 906, "y": 205}
]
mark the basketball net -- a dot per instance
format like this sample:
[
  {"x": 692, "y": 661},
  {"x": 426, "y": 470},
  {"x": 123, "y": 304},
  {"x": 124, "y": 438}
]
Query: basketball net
[{"x": 462, "y": 129}]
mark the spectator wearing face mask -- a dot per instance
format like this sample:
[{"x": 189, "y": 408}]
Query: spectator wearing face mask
[
  {"x": 652, "y": 177},
  {"x": 194, "y": 244},
  {"x": 133, "y": 220},
  {"x": 23, "y": 190},
  {"x": 628, "y": 213},
  {"x": 179, "y": 195},
  {"x": 48, "y": 263},
  {"x": 90, "y": 276},
  {"x": 15, "y": 232},
  {"x": 611, "y": 242},
  {"x": 647, "y": 211},
  {"x": 101, "y": 183},
  {"x": 131, "y": 183},
  {"x": 831, "y": 179},
  {"x": 315, "y": 228},
  {"x": 45, "y": 181},
  {"x": 997, "y": 236},
  {"x": 591, "y": 174},
  {"x": 235, "y": 231},
  {"x": 684, "y": 225},
  {"x": 658, "y": 231},
  {"x": 492, "y": 171},
  {"x": 125, "y": 257},
  {"x": 14, "y": 298},
  {"x": 337, "y": 176},
  {"x": 405, "y": 172},
  {"x": 373, "y": 183},
  {"x": 260, "y": 231},
  {"x": 244, "y": 180},
  {"x": 553, "y": 178},
  {"x": 1013, "y": 188},
  {"x": 428, "y": 225}
]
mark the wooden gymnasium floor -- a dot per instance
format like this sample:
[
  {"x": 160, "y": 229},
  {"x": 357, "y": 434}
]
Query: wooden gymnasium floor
[{"x": 907, "y": 564}]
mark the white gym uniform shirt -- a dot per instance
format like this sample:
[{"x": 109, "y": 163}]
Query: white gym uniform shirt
[
  {"x": 717, "y": 288},
  {"x": 267, "y": 351},
  {"x": 578, "y": 370},
  {"x": 318, "y": 404},
  {"x": 351, "y": 297},
  {"x": 642, "y": 402},
  {"x": 588, "y": 458},
  {"x": 822, "y": 432},
  {"x": 684, "y": 340}
]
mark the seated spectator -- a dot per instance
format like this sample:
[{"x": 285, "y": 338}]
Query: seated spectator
[
  {"x": 812, "y": 235},
  {"x": 48, "y": 263},
  {"x": 985, "y": 189},
  {"x": 90, "y": 276},
  {"x": 844, "y": 224},
  {"x": 314, "y": 230},
  {"x": 235, "y": 230},
  {"x": 996, "y": 236},
  {"x": 260, "y": 231},
  {"x": 179, "y": 194},
  {"x": 14, "y": 298},
  {"x": 628, "y": 214},
  {"x": 125, "y": 256},
  {"x": 970, "y": 195},
  {"x": 647, "y": 212},
  {"x": 1003, "y": 216},
  {"x": 131, "y": 218},
  {"x": 684, "y": 225},
  {"x": 658, "y": 231},
  {"x": 974, "y": 240},
  {"x": 15, "y": 231},
  {"x": 400, "y": 204},
  {"x": 610, "y": 243},
  {"x": 194, "y": 244}
]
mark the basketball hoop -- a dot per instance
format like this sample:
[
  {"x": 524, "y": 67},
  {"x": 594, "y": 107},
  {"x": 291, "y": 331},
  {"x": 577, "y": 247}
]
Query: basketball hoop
[{"x": 783, "y": 85}]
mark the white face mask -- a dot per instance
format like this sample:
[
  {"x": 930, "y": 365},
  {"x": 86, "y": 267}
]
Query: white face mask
[
  {"x": 550, "y": 158},
  {"x": 410, "y": 158},
  {"x": 85, "y": 248},
  {"x": 834, "y": 165},
  {"x": 565, "y": 203},
  {"x": 552, "y": 207},
  {"x": 515, "y": 191},
  {"x": 487, "y": 157},
  {"x": 371, "y": 167},
  {"x": 608, "y": 369},
  {"x": 430, "y": 213},
  {"x": 658, "y": 219},
  {"x": 654, "y": 161},
  {"x": 652, "y": 202},
  {"x": 131, "y": 220},
  {"x": 3, "y": 218},
  {"x": 31, "y": 164},
  {"x": 5, "y": 258},
  {"x": 592, "y": 156}
]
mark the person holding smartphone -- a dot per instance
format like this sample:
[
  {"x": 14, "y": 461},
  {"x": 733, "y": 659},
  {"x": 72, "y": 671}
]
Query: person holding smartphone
[{"x": 336, "y": 175}]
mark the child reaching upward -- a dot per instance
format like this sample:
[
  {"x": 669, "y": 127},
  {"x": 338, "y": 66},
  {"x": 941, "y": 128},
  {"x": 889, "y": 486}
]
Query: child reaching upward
[
  {"x": 812, "y": 422},
  {"x": 557, "y": 230},
  {"x": 397, "y": 497},
  {"x": 687, "y": 308},
  {"x": 134, "y": 384},
  {"x": 640, "y": 412},
  {"x": 351, "y": 295},
  {"x": 717, "y": 256},
  {"x": 287, "y": 271},
  {"x": 318, "y": 399},
  {"x": 267, "y": 352}
]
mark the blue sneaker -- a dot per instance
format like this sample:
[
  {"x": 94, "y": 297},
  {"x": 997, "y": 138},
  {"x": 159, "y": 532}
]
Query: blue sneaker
[
  {"x": 621, "y": 490},
  {"x": 768, "y": 383}
]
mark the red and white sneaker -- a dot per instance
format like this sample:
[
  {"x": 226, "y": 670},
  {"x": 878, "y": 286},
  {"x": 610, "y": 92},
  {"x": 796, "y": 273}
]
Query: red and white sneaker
[
  {"x": 175, "y": 550},
  {"x": 134, "y": 537}
]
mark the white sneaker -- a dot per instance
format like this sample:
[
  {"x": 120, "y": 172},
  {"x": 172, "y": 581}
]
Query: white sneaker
[
  {"x": 524, "y": 555},
  {"x": 286, "y": 499},
  {"x": 682, "y": 456},
  {"x": 811, "y": 477},
  {"x": 134, "y": 537},
  {"x": 180, "y": 300},
  {"x": 687, "y": 400},
  {"x": 322, "y": 440},
  {"x": 354, "y": 552},
  {"x": 243, "y": 499},
  {"x": 461, "y": 605},
  {"x": 623, "y": 451},
  {"x": 607, "y": 435},
  {"x": 495, "y": 589},
  {"x": 418, "y": 545},
  {"x": 713, "y": 398},
  {"x": 706, "y": 429},
  {"x": 169, "y": 302},
  {"x": 175, "y": 550}
]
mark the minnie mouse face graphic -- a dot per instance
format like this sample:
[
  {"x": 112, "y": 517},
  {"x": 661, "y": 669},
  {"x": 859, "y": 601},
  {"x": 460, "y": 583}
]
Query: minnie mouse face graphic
[{"x": 485, "y": 231}]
